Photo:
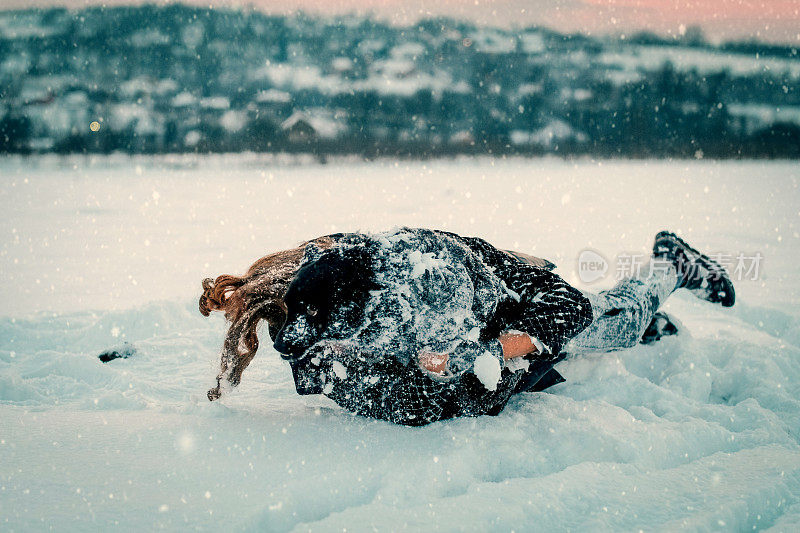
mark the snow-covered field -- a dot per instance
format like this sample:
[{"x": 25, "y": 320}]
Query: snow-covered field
[{"x": 697, "y": 432}]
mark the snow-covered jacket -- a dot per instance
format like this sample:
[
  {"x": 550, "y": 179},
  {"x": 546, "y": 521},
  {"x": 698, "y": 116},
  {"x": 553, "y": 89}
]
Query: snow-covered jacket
[{"x": 442, "y": 293}]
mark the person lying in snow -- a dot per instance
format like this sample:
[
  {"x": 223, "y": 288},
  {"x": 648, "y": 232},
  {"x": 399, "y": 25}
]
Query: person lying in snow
[{"x": 415, "y": 326}]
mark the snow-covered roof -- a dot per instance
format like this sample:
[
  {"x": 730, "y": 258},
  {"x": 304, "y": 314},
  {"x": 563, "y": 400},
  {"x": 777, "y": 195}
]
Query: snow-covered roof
[
  {"x": 292, "y": 76},
  {"x": 215, "y": 102},
  {"x": 555, "y": 131},
  {"x": 391, "y": 76},
  {"x": 184, "y": 99},
  {"x": 76, "y": 98},
  {"x": 622, "y": 77},
  {"x": 147, "y": 85},
  {"x": 395, "y": 68},
  {"x": 493, "y": 41},
  {"x": 324, "y": 122},
  {"x": 148, "y": 37},
  {"x": 410, "y": 49},
  {"x": 527, "y": 89},
  {"x": 370, "y": 46},
  {"x": 576, "y": 95},
  {"x": 342, "y": 64},
  {"x": 273, "y": 96}
]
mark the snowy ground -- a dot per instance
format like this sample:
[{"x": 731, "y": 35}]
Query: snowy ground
[{"x": 698, "y": 432}]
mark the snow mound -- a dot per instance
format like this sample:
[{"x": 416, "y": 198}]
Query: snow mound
[{"x": 705, "y": 423}]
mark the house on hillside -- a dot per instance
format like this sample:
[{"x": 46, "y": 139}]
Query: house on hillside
[{"x": 306, "y": 127}]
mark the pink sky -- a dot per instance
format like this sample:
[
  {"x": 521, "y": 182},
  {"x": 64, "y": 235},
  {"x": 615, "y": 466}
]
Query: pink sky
[{"x": 772, "y": 20}]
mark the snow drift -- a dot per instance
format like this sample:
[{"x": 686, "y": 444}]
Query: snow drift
[{"x": 699, "y": 431}]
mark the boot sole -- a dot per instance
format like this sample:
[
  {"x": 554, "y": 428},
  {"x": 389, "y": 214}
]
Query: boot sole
[{"x": 729, "y": 297}]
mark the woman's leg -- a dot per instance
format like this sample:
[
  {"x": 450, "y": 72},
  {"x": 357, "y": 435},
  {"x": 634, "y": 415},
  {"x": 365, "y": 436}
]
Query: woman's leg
[{"x": 622, "y": 313}]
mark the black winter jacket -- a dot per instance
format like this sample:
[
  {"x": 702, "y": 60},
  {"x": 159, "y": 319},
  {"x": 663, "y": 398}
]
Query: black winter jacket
[{"x": 449, "y": 294}]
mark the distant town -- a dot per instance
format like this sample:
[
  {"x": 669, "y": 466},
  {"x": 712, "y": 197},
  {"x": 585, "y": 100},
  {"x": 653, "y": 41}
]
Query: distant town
[{"x": 177, "y": 79}]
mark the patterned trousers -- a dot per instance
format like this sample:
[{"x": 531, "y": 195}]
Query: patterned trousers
[{"x": 622, "y": 313}]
